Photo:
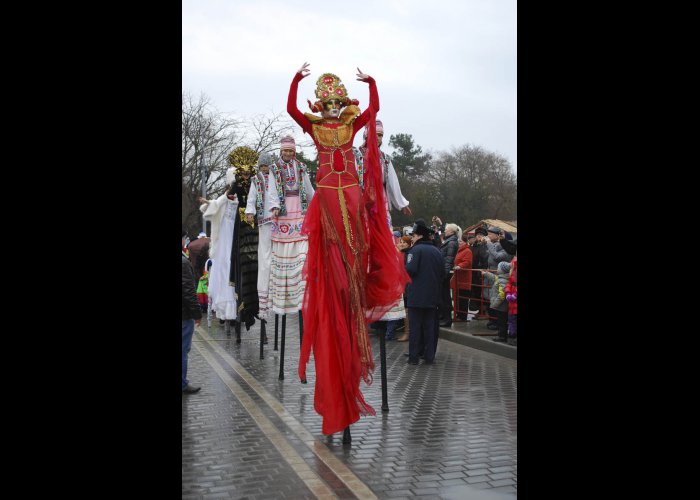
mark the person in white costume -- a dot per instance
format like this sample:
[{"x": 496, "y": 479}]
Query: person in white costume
[
  {"x": 259, "y": 208},
  {"x": 221, "y": 213},
  {"x": 394, "y": 198}
]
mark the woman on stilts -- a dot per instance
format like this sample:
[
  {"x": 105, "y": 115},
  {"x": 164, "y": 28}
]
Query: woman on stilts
[{"x": 353, "y": 271}]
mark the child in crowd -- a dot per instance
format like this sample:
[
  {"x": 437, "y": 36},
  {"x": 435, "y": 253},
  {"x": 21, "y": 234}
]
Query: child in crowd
[
  {"x": 512, "y": 298},
  {"x": 498, "y": 299}
]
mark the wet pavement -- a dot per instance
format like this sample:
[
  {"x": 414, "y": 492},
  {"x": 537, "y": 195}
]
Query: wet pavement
[{"x": 450, "y": 432}]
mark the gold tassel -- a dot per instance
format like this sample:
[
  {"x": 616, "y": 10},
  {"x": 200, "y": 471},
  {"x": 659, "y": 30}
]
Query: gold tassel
[{"x": 346, "y": 222}]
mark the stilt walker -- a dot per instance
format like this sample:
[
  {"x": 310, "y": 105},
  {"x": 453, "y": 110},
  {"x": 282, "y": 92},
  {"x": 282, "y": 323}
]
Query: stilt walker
[
  {"x": 353, "y": 272},
  {"x": 392, "y": 196},
  {"x": 244, "y": 252},
  {"x": 293, "y": 191},
  {"x": 222, "y": 213},
  {"x": 259, "y": 209}
]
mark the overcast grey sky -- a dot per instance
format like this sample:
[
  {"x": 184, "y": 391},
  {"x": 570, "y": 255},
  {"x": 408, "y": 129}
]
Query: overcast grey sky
[{"x": 445, "y": 70}]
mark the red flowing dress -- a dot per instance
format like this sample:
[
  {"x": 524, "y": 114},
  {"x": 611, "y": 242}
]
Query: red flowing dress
[{"x": 353, "y": 271}]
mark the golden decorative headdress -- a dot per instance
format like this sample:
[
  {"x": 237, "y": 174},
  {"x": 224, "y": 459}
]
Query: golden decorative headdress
[
  {"x": 329, "y": 86},
  {"x": 243, "y": 159}
]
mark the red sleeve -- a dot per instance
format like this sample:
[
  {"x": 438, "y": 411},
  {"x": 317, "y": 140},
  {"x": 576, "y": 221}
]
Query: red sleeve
[
  {"x": 373, "y": 103},
  {"x": 292, "y": 109}
]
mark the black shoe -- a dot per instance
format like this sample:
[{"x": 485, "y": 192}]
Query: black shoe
[
  {"x": 492, "y": 327},
  {"x": 190, "y": 389},
  {"x": 498, "y": 339},
  {"x": 406, "y": 354},
  {"x": 513, "y": 342},
  {"x": 446, "y": 323},
  {"x": 429, "y": 362},
  {"x": 412, "y": 362}
]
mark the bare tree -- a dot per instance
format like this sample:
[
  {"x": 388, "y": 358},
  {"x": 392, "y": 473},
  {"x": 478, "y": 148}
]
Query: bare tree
[
  {"x": 263, "y": 132},
  {"x": 463, "y": 186},
  {"x": 207, "y": 138}
]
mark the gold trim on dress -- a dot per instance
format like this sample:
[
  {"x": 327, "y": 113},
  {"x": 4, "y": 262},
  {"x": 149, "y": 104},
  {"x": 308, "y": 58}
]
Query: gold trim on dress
[{"x": 332, "y": 137}]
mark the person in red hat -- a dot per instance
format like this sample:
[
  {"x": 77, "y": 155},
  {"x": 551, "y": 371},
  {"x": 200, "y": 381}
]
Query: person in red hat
[{"x": 353, "y": 271}]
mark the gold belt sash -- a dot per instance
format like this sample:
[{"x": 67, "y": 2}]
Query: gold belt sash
[{"x": 344, "y": 212}]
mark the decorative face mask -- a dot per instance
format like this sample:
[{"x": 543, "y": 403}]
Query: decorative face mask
[{"x": 331, "y": 108}]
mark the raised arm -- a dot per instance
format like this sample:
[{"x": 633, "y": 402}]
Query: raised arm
[
  {"x": 373, "y": 100},
  {"x": 292, "y": 109},
  {"x": 211, "y": 207}
]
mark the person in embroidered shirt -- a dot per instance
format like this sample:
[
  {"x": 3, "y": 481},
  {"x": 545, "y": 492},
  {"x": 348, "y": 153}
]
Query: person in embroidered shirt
[
  {"x": 260, "y": 205},
  {"x": 353, "y": 271},
  {"x": 292, "y": 190}
]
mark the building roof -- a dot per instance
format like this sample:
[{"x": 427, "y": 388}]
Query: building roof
[{"x": 506, "y": 226}]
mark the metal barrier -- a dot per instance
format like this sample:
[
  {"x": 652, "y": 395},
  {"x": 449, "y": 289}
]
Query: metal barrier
[{"x": 460, "y": 293}]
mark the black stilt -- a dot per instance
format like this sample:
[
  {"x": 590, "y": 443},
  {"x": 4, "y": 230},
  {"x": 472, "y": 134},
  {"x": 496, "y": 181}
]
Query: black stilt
[
  {"x": 284, "y": 325},
  {"x": 301, "y": 329},
  {"x": 238, "y": 330},
  {"x": 227, "y": 327},
  {"x": 382, "y": 358},
  {"x": 277, "y": 320},
  {"x": 347, "y": 438},
  {"x": 301, "y": 334},
  {"x": 263, "y": 337}
]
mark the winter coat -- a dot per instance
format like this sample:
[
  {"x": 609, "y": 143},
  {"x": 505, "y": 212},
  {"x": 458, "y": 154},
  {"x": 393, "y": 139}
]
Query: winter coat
[
  {"x": 512, "y": 287},
  {"x": 497, "y": 254},
  {"x": 510, "y": 246},
  {"x": 480, "y": 256},
  {"x": 425, "y": 266},
  {"x": 190, "y": 303},
  {"x": 498, "y": 300},
  {"x": 464, "y": 261},
  {"x": 198, "y": 251},
  {"x": 449, "y": 252}
]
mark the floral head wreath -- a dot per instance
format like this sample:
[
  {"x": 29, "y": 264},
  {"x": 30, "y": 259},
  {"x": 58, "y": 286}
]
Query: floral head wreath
[
  {"x": 243, "y": 159},
  {"x": 329, "y": 86}
]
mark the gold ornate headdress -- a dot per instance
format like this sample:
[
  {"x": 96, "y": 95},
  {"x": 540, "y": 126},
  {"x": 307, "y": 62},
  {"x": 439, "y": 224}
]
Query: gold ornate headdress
[
  {"x": 329, "y": 86},
  {"x": 243, "y": 159}
]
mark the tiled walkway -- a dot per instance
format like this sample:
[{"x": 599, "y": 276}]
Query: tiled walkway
[{"x": 451, "y": 429}]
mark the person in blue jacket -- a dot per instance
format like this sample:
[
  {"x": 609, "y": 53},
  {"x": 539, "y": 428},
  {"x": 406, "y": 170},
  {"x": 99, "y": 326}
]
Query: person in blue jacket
[{"x": 425, "y": 266}]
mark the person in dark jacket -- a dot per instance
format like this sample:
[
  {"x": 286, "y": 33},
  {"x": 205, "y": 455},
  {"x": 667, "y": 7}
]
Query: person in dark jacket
[
  {"x": 426, "y": 267},
  {"x": 497, "y": 255},
  {"x": 191, "y": 315},
  {"x": 449, "y": 248},
  {"x": 480, "y": 260},
  {"x": 510, "y": 246},
  {"x": 199, "y": 254}
]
